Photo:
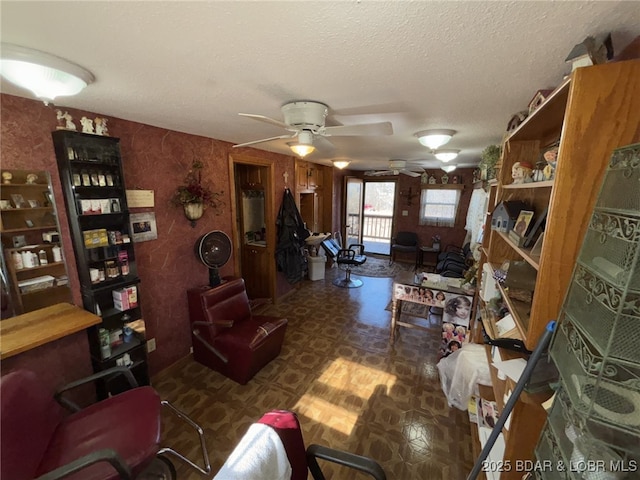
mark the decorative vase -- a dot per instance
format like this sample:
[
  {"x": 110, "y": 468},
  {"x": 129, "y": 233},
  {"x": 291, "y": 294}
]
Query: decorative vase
[{"x": 193, "y": 211}]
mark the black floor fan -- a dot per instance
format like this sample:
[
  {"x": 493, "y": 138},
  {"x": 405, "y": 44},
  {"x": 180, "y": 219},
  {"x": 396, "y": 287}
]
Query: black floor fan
[{"x": 214, "y": 250}]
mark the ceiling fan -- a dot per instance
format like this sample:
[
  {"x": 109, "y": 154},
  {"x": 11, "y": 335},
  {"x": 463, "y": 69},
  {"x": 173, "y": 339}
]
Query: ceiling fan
[
  {"x": 395, "y": 167},
  {"x": 306, "y": 120}
]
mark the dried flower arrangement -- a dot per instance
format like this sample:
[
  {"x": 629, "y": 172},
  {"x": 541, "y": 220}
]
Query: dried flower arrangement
[{"x": 195, "y": 192}]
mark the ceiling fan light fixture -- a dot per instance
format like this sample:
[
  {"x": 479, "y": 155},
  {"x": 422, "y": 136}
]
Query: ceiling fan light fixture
[
  {"x": 434, "y": 138},
  {"x": 341, "y": 164},
  {"x": 445, "y": 155},
  {"x": 448, "y": 168},
  {"x": 46, "y": 75},
  {"x": 304, "y": 145},
  {"x": 301, "y": 149}
]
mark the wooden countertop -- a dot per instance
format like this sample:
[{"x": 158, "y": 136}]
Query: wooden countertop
[{"x": 30, "y": 330}]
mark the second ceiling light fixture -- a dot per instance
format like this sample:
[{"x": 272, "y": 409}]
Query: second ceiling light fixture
[{"x": 434, "y": 139}]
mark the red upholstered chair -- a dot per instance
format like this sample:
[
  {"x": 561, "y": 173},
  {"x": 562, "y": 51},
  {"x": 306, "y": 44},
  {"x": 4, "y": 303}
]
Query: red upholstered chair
[
  {"x": 226, "y": 336},
  {"x": 287, "y": 427},
  {"x": 116, "y": 438}
]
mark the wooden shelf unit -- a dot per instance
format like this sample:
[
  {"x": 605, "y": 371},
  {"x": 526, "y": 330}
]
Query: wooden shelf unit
[
  {"x": 590, "y": 114},
  {"x": 31, "y": 222}
]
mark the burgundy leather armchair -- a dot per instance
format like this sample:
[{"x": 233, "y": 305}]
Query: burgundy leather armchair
[
  {"x": 226, "y": 336},
  {"x": 116, "y": 438}
]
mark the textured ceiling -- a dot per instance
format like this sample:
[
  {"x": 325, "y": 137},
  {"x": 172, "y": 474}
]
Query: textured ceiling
[{"x": 193, "y": 66}]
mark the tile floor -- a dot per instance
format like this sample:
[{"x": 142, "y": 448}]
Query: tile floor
[{"x": 351, "y": 389}]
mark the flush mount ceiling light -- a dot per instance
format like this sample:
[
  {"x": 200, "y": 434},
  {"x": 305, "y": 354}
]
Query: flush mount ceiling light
[
  {"x": 445, "y": 155},
  {"x": 448, "y": 168},
  {"x": 304, "y": 145},
  {"x": 434, "y": 138},
  {"x": 47, "y": 76},
  {"x": 340, "y": 164}
]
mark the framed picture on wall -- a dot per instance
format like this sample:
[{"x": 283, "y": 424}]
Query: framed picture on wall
[{"x": 143, "y": 226}]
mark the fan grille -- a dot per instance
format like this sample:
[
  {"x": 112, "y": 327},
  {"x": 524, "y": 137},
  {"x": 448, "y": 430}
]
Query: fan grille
[{"x": 213, "y": 249}]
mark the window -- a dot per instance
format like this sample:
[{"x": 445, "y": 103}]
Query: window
[{"x": 439, "y": 206}]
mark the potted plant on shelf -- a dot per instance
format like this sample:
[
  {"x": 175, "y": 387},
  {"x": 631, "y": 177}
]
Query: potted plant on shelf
[
  {"x": 194, "y": 196},
  {"x": 488, "y": 160}
]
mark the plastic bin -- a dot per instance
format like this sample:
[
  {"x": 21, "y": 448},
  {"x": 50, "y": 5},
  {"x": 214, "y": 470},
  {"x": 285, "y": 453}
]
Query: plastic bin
[{"x": 316, "y": 267}]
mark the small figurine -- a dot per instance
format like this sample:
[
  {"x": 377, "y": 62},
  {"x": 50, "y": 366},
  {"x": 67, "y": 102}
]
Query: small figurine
[
  {"x": 521, "y": 172},
  {"x": 32, "y": 178},
  {"x": 6, "y": 177},
  {"x": 65, "y": 121},
  {"x": 87, "y": 125},
  {"x": 551, "y": 157},
  {"x": 101, "y": 126}
]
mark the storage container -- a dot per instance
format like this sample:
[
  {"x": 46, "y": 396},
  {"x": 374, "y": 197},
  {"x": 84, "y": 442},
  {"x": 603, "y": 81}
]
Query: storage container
[{"x": 35, "y": 284}]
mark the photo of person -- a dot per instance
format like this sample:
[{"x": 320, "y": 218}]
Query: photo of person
[
  {"x": 428, "y": 297},
  {"x": 440, "y": 299},
  {"x": 452, "y": 346},
  {"x": 457, "y": 310}
]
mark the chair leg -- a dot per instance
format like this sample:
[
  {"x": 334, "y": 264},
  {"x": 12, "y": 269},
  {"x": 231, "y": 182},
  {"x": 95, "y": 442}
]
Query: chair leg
[
  {"x": 347, "y": 281},
  {"x": 205, "y": 454}
]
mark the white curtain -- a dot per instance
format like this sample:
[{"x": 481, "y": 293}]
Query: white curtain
[{"x": 475, "y": 215}]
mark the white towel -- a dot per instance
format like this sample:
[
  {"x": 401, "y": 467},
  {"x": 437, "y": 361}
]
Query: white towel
[{"x": 260, "y": 454}]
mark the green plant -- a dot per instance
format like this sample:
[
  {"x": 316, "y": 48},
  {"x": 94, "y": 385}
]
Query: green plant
[
  {"x": 488, "y": 159},
  {"x": 194, "y": 191}
]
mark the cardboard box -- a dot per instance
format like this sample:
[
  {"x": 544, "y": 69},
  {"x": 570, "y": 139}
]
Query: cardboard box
[{"x": 125, "y": 298}]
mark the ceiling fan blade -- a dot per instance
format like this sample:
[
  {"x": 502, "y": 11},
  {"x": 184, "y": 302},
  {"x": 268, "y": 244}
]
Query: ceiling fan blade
[
  {"x": 382, "y": 128},
  {"x": 262, "y": 118},
  {"x": 246, "y": 144},
  {"x": 410, "y": 173},
  {"x": 323, "y": 144},
  {"x": 379, "y": 173}
]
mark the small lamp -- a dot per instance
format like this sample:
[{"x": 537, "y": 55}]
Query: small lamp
[
  {"x": 304, "y": 145},
  {"x": 47, "y": 76},
  {"x": 340, "y": 164},
  {"x": 446, "y": 155},
  {"x": 434, "y": 138}
]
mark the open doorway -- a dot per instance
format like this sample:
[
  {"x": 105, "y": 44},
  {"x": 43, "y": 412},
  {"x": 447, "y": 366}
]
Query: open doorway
[{"x": 369, "y": 214}]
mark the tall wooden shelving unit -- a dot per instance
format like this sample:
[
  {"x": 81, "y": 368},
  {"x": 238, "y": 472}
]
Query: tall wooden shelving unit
[{"x": 594, "y": 111}]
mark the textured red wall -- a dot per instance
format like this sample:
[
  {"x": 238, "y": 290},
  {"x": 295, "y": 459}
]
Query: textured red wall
[{"x": 155, "y": 159}]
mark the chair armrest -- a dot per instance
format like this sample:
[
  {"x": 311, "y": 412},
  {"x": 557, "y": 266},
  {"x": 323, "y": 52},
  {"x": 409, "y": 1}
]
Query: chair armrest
[
  {"x": 214, "y": 323},
  {"x": 106, "y": 455},
  {"x": 357, "y": 462},
  {"x": 359, "y": 245},
  {"x": 208, "y": 346},
  {"x": 65, "y": 402}
]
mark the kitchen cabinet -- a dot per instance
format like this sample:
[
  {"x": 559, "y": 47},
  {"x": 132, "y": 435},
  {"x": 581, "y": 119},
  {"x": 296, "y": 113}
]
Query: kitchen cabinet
[
  {"x": 309, "y": 175},
  {"x": 255, "y": 269},
  {"x": 36, "y": 271},
  {"x": 92, "y": 178}
]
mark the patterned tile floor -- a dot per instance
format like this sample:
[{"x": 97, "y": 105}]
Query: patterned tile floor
[{"x": 351, "y": 389}]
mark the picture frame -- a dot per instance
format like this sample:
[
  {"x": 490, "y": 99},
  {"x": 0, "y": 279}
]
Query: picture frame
[
  {"x": 48, "y": 199},
  {"x": 535, "y": 230},
  {"x": 18, "y": 200},
  {"x": 29, "y": 223},
  {"x": 34, "y": 203},
  {"x": 19, "y": 241},
  {"x": 521, "y": 227},
  {"x": 143, "y": 226}
]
